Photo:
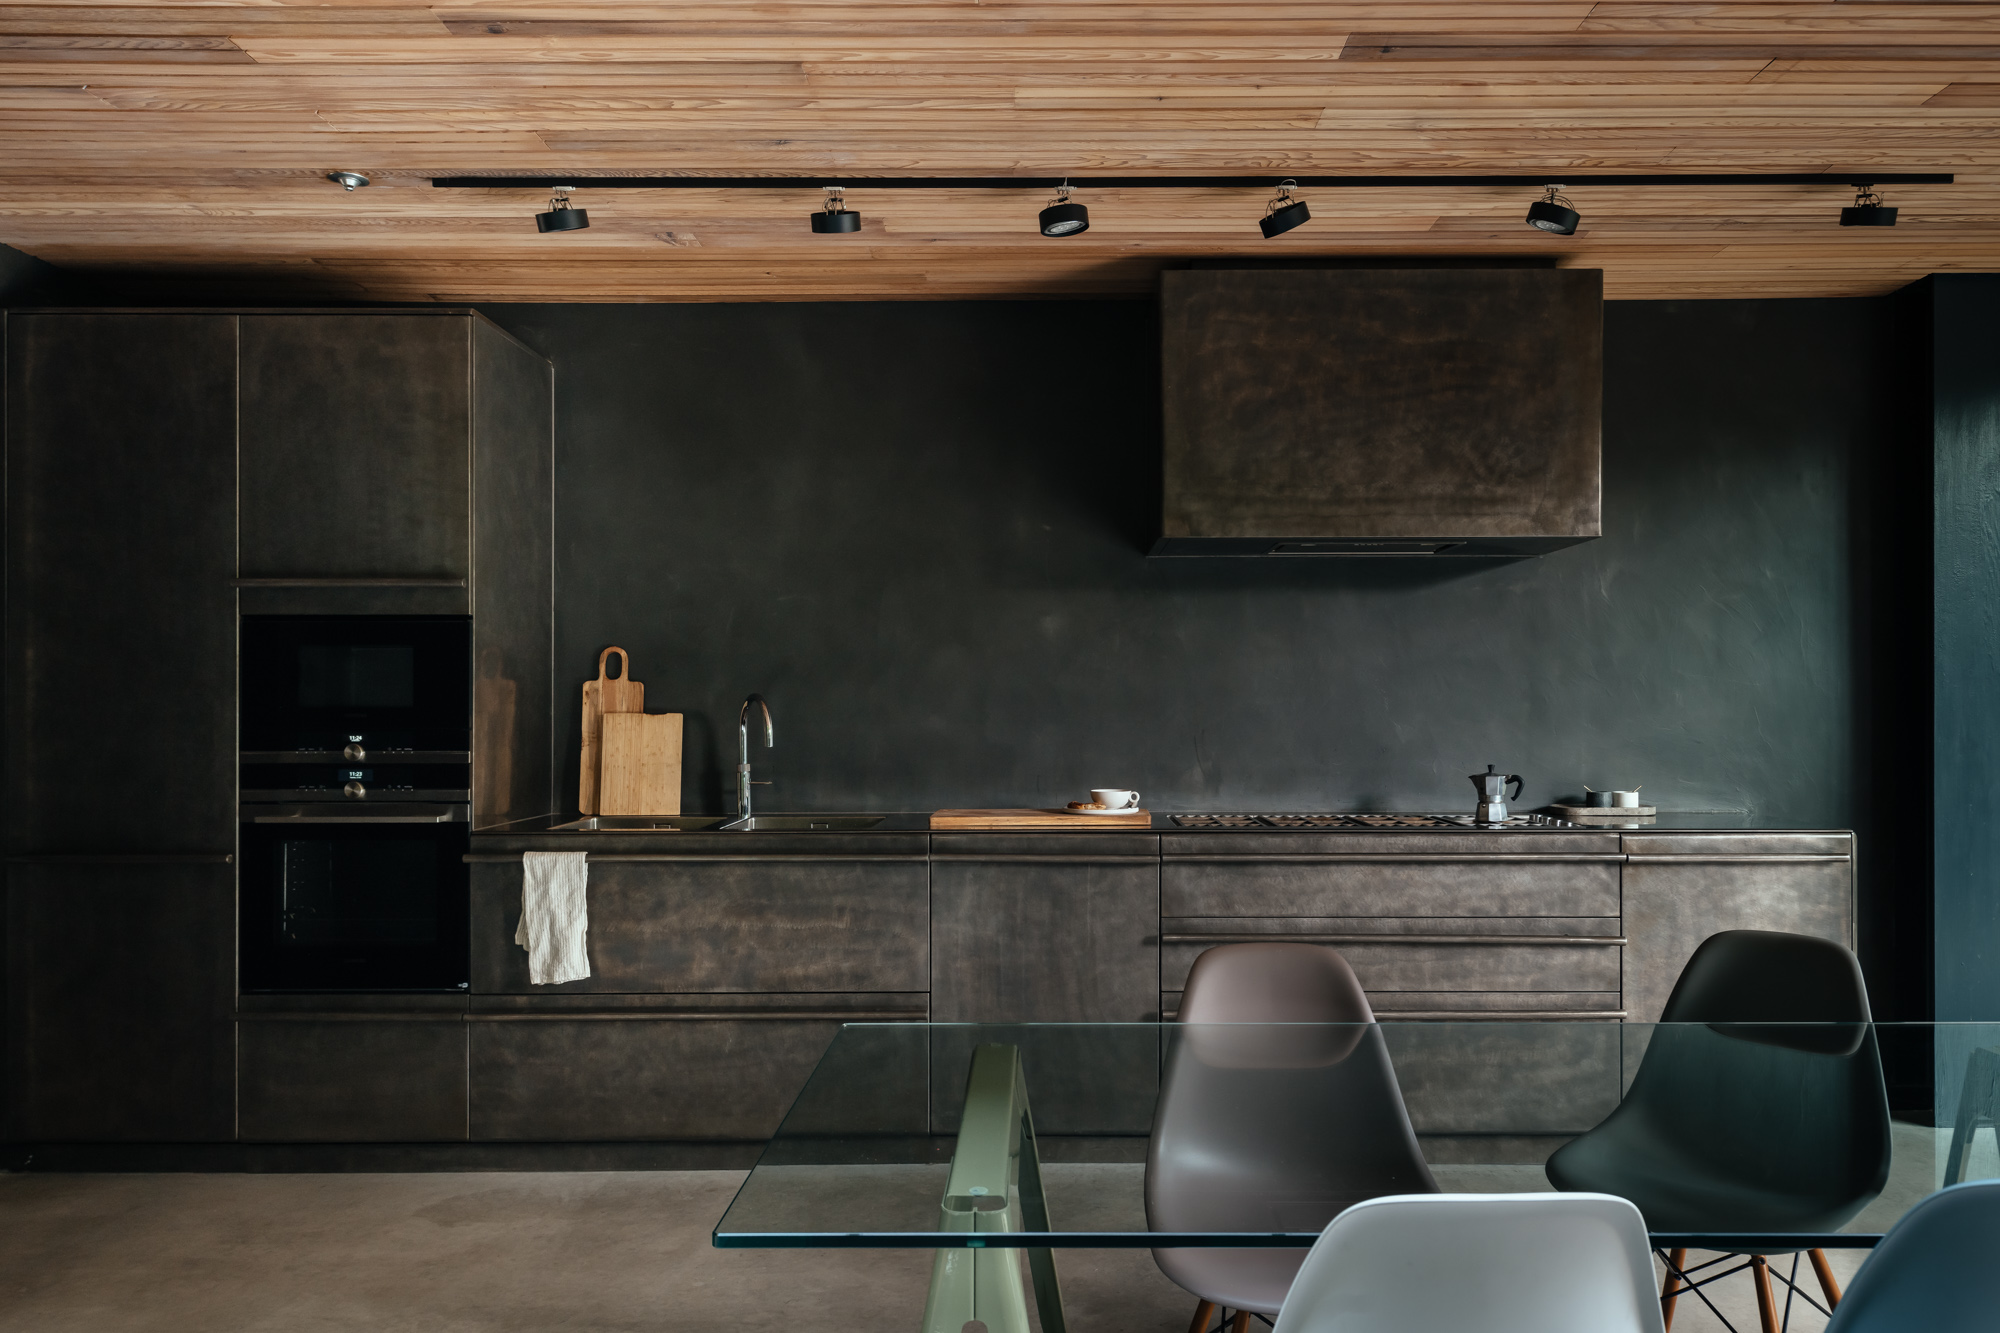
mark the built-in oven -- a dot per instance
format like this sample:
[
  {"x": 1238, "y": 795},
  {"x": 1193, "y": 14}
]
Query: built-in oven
[
  {"x": 356, "y": 802},
  {"x": 353, "y": 900}
]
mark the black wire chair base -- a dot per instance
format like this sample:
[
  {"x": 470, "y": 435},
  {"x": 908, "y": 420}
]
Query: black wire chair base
[{"x": 1684, "y": 1276}]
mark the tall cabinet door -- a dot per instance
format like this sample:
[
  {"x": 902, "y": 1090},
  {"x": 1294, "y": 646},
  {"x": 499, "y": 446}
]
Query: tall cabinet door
[
  {"x": 120, "y": 721},
  {"x": 121, "y": 618},
  {"x": 357, "y": 447}
]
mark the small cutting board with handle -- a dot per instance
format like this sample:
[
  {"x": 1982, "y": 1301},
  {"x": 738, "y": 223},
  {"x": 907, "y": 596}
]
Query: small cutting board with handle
[
  {"x": 1063, "y": 819},
  {"x": 641, "y": 764},
  {"x": 601, "y": 696}
]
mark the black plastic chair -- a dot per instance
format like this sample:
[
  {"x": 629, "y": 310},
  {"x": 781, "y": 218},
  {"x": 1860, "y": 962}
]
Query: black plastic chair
[
  {"x": 1739, "y": 1119},
  {"x": 1271, "y": 1128},
  {"x": 1934, "y": 1271}
]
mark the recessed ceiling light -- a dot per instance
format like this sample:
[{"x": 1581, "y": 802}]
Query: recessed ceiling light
[
  {"x": 1867, "y": 210},
  {"x": 1553, "y": 214},
  {"x": 1062, "y": 217},
  {"x": 834, "y": 217},
  {"x": 1283, "y": 212},
  {"x": 347, "y": 180},
  {"x": 562, "y": 217}
]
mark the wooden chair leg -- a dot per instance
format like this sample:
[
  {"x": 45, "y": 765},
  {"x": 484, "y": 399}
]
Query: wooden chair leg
[
  {"x": 1825, "y": 1275},
  {"x": 1675, "y": 1263},
  {"x": 1767, "y": 1308},
  {"x": 1241, "y": 1324},
  {"x": 1203, "y": 1312}
]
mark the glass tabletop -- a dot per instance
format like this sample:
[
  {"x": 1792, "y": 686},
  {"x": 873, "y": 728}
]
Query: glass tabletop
[{"x": 1759, "y": 1136}]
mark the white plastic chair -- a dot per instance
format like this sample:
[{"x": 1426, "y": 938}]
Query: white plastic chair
[{"x": 1494, "y": 1263}]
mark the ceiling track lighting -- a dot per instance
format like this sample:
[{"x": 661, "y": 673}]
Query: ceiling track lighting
[
  {"x": 834, "y": 217},
  {"x": 1063, "y": 217},
  {"x": 1553, "y": 213},
  {"x": 349, "y": 181},
  {"x": 562, "y": 217},
  {"x": 1867, "y": 210},
  {"x": 1283, "y": 212}
]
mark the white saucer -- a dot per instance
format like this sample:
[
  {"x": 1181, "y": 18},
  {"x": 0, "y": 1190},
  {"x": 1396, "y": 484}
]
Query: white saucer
[{"x": 1128, "y": 810}]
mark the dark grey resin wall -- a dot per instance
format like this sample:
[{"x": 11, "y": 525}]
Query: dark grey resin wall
[
  {"x": 919, "y": 530},
  {"x": 1966, "y": 646}
]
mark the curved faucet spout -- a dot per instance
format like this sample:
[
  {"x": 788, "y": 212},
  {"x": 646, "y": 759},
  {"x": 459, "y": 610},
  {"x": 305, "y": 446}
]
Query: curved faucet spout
[
  {"x": 743, "y": 723},
  {"x": 742, "y": 822}
]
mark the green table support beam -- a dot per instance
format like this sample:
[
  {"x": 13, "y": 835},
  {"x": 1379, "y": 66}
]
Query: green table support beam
[{"x": 995, "y": 1185}]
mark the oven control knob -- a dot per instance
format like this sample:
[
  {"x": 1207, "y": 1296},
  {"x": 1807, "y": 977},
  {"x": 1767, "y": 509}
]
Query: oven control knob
[
  {"x": 354, "y": 791},
  {"x": 354, "y": 751}
]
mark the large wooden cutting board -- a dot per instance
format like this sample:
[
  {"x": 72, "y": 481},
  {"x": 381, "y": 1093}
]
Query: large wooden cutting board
[
  {"x": 601, "y": 696},
  {"x": 641, "y": 764},
  {"x": 1034, "y": 819}
]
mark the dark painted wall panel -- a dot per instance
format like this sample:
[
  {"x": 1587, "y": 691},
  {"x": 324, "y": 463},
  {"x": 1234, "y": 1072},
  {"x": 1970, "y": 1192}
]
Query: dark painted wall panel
[
  {"x": 919, "y": 529},
  {"x": 1966, "y": 645}
]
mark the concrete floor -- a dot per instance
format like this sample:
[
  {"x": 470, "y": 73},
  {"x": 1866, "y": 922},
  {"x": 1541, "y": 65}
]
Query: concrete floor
[{"x": 503, "y": 1251}]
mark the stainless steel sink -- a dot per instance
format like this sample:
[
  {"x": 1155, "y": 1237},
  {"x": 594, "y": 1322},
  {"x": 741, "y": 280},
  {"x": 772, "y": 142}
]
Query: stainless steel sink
[
  {"x": 700, "y": 823},
  {"x": 640, "y": 824}
]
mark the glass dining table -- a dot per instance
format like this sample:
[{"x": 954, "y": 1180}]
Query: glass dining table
[{"x": 995, "y": 1144}]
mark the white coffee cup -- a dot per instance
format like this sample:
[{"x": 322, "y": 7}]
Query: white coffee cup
[{"x": 1112, "y": 798}]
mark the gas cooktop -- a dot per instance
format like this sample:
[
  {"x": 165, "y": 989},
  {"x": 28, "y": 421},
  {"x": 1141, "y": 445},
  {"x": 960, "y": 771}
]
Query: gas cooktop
[{"x": 1368, "y": 822}]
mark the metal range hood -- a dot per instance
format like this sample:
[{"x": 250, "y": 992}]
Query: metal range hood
[{"x": 1380, "y": 412}]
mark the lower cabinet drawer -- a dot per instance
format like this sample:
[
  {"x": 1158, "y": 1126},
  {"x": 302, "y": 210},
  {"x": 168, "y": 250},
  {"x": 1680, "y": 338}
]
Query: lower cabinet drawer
[
  {"x": 557, "y": 1078},
  {"x": 1432, "y": 969},
  {"x": 1532, "y": 1079},
  {"x": 351, "y": 1080}
]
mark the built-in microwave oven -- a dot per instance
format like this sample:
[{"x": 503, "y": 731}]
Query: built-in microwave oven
[{"x": 355, "y": 802}]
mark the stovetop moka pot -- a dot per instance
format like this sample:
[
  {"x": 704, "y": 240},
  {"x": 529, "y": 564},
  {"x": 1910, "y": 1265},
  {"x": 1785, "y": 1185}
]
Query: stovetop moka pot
[{"x": 1491, "y": 808}]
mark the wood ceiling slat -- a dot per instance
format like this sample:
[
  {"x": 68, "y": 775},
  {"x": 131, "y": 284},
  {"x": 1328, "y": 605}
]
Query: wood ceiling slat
[{"x": 127, "y": 130}]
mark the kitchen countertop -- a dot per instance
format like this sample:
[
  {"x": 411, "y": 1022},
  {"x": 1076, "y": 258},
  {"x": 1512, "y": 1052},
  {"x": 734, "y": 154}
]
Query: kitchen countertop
[{"x": 908, "y": 822}]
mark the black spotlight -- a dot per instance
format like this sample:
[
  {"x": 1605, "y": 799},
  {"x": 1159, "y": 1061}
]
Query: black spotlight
[
  {"x": 834, "y": 218},
  {"x": 1553, "y": 214},
  {"x": 1063, "y": 218},
  {"x": 561, "y": 217},
  {"x": 1867, "y": 210},
  {"x": 1283, "y": 212}
]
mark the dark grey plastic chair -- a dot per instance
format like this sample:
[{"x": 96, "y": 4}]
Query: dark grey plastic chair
[
  {"x": 1264, "y": 1128},
  {"x": 1741, "y": 1120},
  {"x": 1934, "y": 1271}
]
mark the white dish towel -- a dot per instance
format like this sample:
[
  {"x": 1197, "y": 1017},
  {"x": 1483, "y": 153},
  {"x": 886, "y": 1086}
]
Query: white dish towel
[{"x": 555, "y": 916}]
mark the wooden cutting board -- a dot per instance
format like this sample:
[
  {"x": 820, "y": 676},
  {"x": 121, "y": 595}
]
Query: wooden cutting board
[
  {"x": 641, "y": 758},
  {"x": 601, "y": 696},
  {"x": 1030, "y": 819}
]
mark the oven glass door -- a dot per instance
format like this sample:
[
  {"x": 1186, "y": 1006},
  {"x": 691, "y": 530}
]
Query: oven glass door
[{"x": 354, "y": 905}]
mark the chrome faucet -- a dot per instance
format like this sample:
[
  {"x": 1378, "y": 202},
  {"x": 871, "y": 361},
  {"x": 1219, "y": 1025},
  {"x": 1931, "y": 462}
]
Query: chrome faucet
[{"x": 744, "y": 783}]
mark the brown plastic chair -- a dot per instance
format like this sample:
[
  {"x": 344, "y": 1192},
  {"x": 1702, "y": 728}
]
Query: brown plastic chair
[{"x": 1271, "y": 1128}]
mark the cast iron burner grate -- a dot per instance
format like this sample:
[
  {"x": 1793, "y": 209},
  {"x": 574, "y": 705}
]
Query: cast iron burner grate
[{"x": 1368, "y": 822}]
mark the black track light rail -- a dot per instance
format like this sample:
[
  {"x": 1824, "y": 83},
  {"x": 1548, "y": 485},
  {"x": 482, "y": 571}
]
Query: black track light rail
[{"x": 1571, "y": 180}]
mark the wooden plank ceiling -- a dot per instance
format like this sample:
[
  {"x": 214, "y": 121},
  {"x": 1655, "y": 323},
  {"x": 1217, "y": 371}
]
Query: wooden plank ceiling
[{"x": 186, "y": 143}]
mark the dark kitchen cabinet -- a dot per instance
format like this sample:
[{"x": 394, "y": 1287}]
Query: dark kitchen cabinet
[
  {"x": 658, "y": 1074},
  {"x": 748, "y": 924},
  {"x": 120, "y": 987},
  {"x": 352, "y": 1069},
  {"x": 121, "y": 618},
  {"x": 1680, "y": 888},
  {"x": 356, "y": 446},
  {"x": 1053, "y": 930},
  {"x": 403, "y": 463}
]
